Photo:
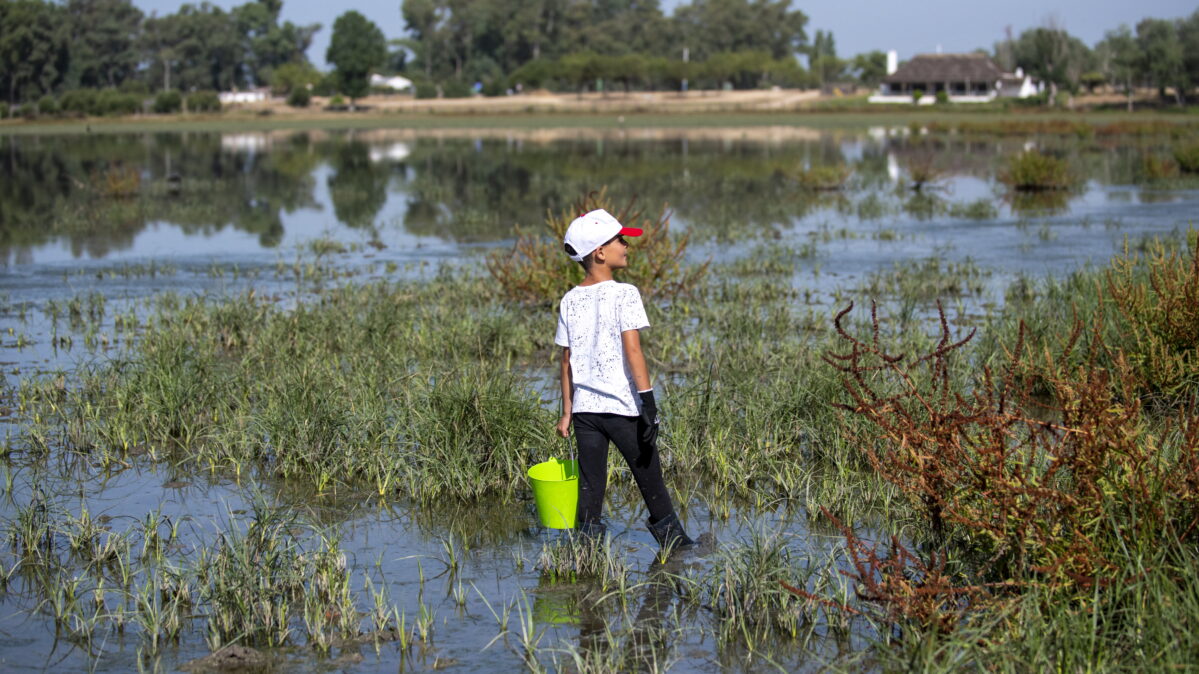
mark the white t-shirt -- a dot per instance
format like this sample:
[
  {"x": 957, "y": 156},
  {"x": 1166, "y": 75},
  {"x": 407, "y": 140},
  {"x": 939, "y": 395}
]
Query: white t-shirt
[{"x": 590, "y": 321}]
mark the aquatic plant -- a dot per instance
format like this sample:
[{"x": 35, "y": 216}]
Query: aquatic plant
[
  {"x": 1157, "y": 301},
  {"x": 1187, "y": 157},
  {"x": 1034, "y": 171},
  {"x": 822, "y": 178},
  {"x": 744, "y": 587},
  {"x": 923, "y": 171},
  {"x": 979, "y": 209},
  {"x": 576, "y": 557},
  {"x": 1157, "y": 168}
]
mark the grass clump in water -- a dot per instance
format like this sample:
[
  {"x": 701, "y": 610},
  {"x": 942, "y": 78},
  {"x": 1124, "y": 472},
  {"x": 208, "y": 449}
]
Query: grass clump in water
[
  {"x": 578, "y": 557},
  {"x": 1033, "y": 171},
  {"x": 1187, "y": 157},
  {"x": 979, "y": 209},
  {"x": 822, "y": 178}
]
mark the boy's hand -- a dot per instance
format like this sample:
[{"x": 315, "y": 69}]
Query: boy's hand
[
  {"x": 648, "y": 426},
  {"x": 563, "y": 426}
]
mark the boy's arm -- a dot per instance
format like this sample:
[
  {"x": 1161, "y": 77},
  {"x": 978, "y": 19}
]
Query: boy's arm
[
  {"x": 631, "y": 340},
  {"x": 648, "y": 428},
  {"x": 563, "y": 426}
]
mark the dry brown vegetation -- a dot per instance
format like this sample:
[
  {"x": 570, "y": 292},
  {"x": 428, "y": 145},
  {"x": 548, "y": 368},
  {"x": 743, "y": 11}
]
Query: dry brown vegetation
[{"x": 1023, "y": 490}]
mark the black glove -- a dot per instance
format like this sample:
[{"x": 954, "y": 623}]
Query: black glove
[{"x": 647, "y": 426}]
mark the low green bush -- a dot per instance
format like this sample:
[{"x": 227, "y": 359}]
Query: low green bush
[
  {"x": 325, "y": 86},
  {"x": 299, "y": 97},
  {"x": 47, "y": 105},
  {"x": 1032, "y": 171},
  {"x": 3, "y": 110},
  {"x": 497, "y": 86},
  {"x": 456, "y": 89},
  {"x": 917, "y": 94},
  {"x": 426, "y": 90},
  {"x": 80, "y": 102},
  {"x": 203, "y": 101},
  {"x": 113, "y": 103},
  {"x": 942, "y": 97},
  {"x": 168, "y": 102},
  {"x": 136, "y": 87},
  {"x": 26, "y": 111},
  {"x": 1187, "y": 157}
]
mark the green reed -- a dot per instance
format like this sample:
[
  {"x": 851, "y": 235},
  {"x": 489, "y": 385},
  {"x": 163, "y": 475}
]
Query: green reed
[{"x": 268, "y": 581}]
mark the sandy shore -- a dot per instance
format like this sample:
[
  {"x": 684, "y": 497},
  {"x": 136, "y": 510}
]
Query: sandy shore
[{"x": 545, "y": 102}]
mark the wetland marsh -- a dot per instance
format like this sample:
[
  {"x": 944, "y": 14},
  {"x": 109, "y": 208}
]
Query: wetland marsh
[{"x": 265, "y": 389}]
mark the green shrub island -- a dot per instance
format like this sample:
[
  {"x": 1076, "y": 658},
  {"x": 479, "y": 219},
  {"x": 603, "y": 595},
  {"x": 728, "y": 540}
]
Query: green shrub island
[
  {"x": 203, "y": 101},
  {"x": 299, "y": 97},
  {"x": 168, "y": 102},
  {"x": 1187, "y": 157}
]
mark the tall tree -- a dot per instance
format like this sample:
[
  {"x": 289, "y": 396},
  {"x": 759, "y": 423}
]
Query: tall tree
[
  {"x": 1162, "y": 57},
  {"x": 357, "y": 47},
  {"x": 33, "y": 49},
  {"x": 267, "y": 44},
  {"x": 199, "y": 47},
  {"x": 1053, "y": 56},
  {"x": 869, "y": 68},
  {"x": 713, "y": 26},
  {"x": 1188, "y": 34},
  {"x": 104, "y": 36},
  {"x": 1119, "y": 59},
  {"x": 822, "y": 58}
]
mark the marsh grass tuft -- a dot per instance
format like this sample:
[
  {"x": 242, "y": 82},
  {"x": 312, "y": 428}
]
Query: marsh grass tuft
[
  {"x": 1187, "y": 157},
  {"x": 744, "y": 587},
  {"x": 822, "y": 178},
  {"x": 577, "y": 557},
  {"x": 1034, "y": 171}
]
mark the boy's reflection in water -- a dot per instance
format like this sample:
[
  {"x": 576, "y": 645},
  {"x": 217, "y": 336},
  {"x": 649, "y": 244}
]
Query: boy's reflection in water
[{"x": 648, "y": 646}]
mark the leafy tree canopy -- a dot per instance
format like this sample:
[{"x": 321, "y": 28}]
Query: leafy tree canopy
[{"x": 357, "y": 47}]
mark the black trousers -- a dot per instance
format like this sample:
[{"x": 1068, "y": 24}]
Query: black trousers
[{"x": 593, "y": 432}]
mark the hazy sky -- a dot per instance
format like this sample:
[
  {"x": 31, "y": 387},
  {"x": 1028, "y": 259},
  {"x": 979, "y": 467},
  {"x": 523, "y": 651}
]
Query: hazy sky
[{"x": 910, "y": 27}]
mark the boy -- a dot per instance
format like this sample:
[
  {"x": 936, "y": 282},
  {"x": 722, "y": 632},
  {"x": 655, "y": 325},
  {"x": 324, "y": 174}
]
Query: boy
[{"x": 606, "y": 391}]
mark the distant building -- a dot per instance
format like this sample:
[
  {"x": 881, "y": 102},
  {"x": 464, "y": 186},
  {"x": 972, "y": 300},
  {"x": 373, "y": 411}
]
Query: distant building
[
  {"x": 251, "y": 96},
  {"x": 395, "y": 82},
  {"x": 966, "y": 78}
]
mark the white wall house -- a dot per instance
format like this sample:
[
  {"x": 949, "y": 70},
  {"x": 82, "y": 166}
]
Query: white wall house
[
  {"x": 966, "y": 78},
  {"x": 251, "y": 96},
  {"x": 395, "y": 82}
]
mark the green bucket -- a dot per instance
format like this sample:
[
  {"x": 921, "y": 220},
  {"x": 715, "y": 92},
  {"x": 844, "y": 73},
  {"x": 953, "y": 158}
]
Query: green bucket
[{"x": 556, "y": 491}]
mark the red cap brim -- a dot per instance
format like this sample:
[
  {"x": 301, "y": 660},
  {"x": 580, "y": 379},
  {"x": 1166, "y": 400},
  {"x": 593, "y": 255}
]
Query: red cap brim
[{"x": 630, "y": 231}]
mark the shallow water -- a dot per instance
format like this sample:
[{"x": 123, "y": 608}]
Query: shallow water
[{"x": 133, "y": 217}]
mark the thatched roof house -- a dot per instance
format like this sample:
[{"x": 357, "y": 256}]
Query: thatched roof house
[{"x": 964, "y": 77}]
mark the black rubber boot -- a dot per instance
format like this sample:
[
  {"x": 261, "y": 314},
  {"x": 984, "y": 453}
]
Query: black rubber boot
[{"x": 669, "y": 533}]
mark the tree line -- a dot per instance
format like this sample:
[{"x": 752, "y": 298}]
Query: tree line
[{"x": 119, "y": 55}]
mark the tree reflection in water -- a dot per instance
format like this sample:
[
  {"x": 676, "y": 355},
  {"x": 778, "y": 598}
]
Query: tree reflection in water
[{"x": 721, "y": 184}]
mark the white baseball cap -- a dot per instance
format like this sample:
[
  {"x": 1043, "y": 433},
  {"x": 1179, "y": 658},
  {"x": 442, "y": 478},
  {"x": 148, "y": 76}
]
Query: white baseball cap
[{"x": 592, "y": 230}]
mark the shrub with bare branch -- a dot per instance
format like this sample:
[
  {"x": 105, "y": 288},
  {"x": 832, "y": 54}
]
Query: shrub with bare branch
[{"x": 1030, "y": 491}]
